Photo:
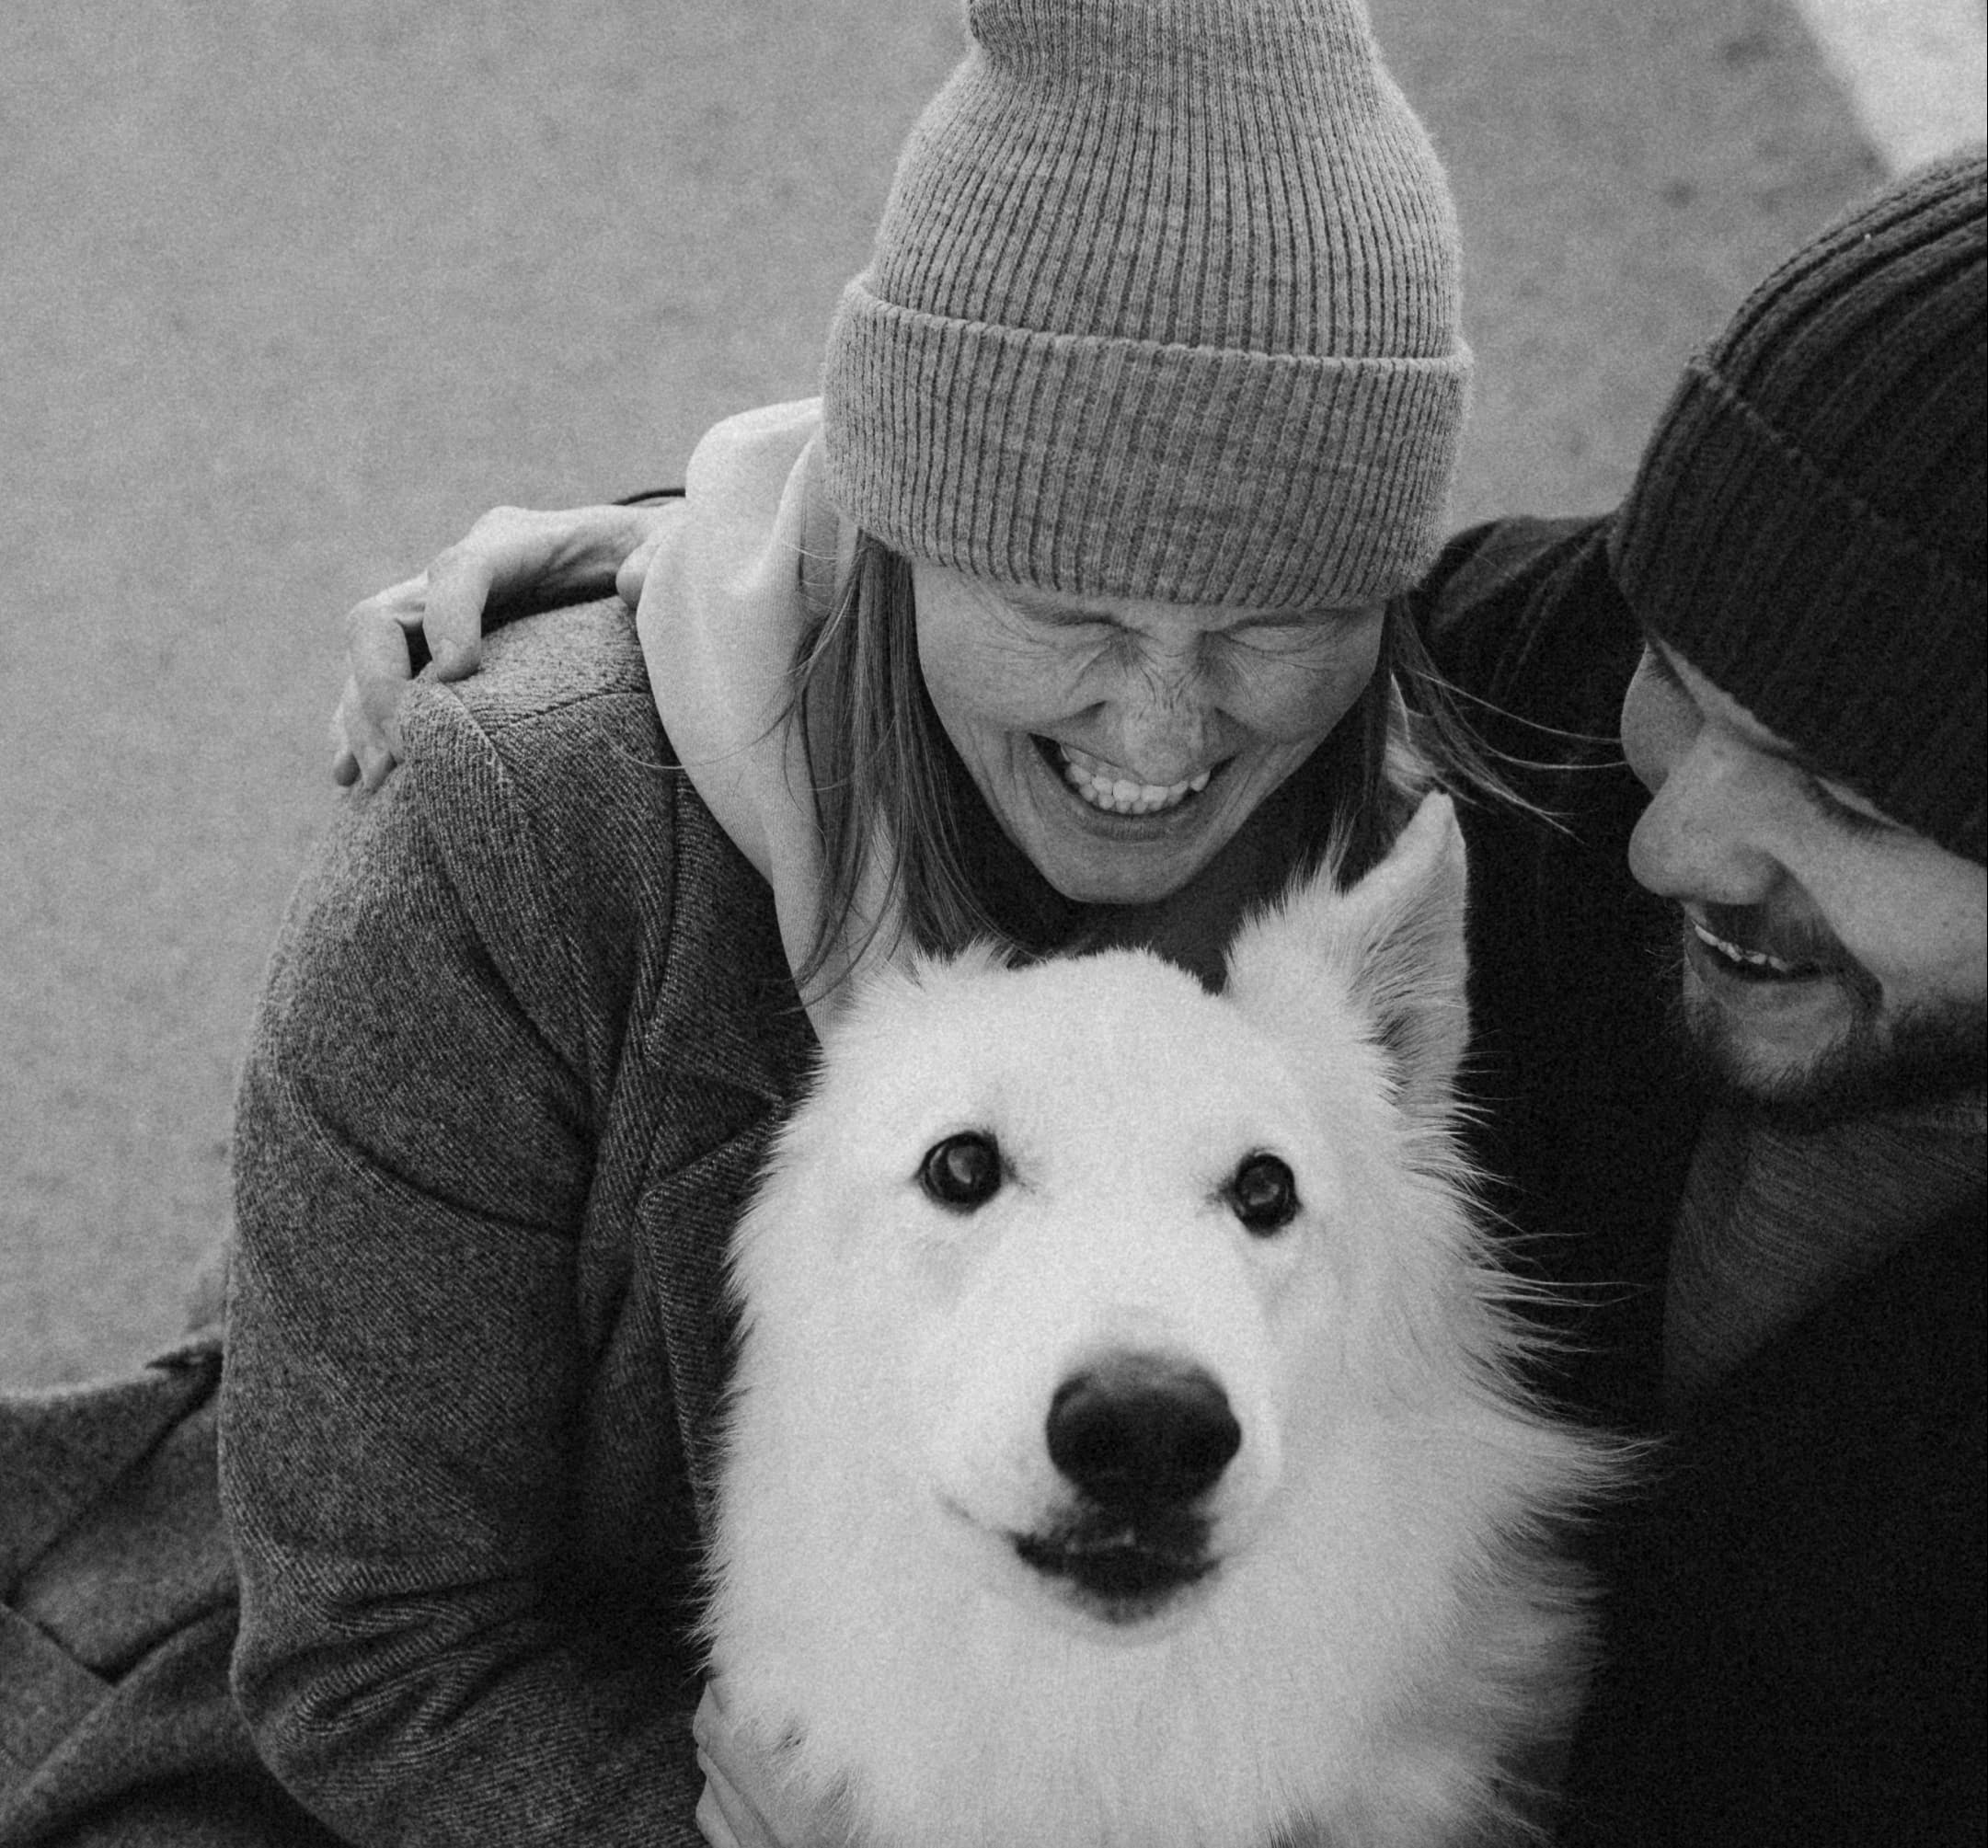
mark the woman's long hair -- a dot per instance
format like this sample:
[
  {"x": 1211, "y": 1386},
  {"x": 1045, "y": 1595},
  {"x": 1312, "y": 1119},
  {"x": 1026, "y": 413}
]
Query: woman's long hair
[{"x": 884, "y": 771}]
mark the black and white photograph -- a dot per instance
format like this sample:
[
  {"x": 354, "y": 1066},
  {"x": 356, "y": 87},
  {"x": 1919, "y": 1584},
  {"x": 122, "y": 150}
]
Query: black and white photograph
[{"x": 994, "y": 924}]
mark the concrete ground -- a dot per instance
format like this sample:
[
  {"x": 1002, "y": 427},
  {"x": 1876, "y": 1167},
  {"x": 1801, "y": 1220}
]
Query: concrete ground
[{"x": 291, "y": 293}]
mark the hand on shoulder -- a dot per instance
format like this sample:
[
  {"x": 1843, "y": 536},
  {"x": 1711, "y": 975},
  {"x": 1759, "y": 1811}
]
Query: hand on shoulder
[{"x": 512, "y": 556}]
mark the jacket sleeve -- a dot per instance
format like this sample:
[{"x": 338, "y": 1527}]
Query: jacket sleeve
[{"x": 404, "y": 1379}]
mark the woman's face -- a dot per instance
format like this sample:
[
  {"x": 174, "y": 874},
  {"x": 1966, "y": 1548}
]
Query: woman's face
[{"x": 1121, "y": 743}]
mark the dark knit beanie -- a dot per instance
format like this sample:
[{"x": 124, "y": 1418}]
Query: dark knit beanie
[
  {"x": 1164, "y": 303},
  {"x": 1808, "y": 526}
]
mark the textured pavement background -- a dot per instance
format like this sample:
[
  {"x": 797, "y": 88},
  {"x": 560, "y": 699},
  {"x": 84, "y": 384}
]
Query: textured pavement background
[{"x": 290, "y": 293}]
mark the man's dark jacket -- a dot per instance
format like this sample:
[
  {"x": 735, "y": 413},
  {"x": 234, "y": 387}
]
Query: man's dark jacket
[{"x": 1796, "y": 1637}]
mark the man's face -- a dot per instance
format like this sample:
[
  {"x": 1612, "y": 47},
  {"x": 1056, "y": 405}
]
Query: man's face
[{"x": 1834, "y": 960}]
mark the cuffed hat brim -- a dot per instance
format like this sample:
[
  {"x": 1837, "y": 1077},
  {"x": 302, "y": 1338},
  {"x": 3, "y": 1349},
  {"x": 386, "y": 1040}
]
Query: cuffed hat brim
[
  {"x": 1822, "y": 615},
  {"x": 1110, "y": 467},
  {"x": 1807, "y": 527}
]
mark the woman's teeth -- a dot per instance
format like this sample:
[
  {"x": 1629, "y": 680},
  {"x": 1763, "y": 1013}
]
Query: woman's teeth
[{"x": 1105, "y": 787}]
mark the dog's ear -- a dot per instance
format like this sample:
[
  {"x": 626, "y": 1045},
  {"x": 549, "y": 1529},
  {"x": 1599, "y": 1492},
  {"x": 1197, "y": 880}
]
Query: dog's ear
[{"x": 1393, "y": 944}]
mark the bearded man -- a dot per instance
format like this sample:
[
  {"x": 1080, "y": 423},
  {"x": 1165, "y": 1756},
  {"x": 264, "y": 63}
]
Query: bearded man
[{"x": 1762, "y": 1177}]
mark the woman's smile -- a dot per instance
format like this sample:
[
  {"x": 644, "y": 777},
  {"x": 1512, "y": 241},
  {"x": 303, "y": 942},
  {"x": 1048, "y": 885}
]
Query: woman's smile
[
  {"x": 1111, "y": 790},
  {"x": 1122, "y": 743}
]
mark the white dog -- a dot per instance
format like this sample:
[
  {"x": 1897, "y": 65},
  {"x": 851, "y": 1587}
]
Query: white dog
[{"x": 1125, "y": 1449}]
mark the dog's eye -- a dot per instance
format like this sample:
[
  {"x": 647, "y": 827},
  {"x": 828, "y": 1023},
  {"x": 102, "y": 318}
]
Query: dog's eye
[
  {"x": 963, "y": 1172},
  {"x": 1263, "y": 1194}
]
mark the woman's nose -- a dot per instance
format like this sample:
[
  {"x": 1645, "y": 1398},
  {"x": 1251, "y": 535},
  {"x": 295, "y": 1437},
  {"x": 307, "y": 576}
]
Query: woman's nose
[
  {"x": 1163, "y": 736},
  {"x": 1700, "y": 840}
]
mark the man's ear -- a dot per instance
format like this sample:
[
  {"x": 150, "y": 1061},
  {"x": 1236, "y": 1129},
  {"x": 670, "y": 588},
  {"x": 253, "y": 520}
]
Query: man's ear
[{"x": 1391, "y": 948}]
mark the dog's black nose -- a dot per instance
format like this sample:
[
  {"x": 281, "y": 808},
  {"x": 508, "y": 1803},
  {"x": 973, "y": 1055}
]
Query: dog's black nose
[{"x": 1138, "y": 1431}]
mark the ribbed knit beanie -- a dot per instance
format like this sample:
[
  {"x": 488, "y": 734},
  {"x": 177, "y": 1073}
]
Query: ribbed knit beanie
[
  {"x": 1809, "y": 525},
  {"x": 1164, "y": 303}
]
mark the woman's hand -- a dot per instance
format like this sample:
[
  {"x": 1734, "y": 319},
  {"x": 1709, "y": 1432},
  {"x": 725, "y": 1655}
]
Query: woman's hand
[
  {"x": 510, "y": 556},
  {"x": 745, "y": 1803}
]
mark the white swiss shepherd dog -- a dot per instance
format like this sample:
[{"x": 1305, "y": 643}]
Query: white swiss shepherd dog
[{"x": 1125, "y": 1448}]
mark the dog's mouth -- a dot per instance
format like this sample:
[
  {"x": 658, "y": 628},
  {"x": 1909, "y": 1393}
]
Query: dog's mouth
[{"x": 1124, "y": 1572}]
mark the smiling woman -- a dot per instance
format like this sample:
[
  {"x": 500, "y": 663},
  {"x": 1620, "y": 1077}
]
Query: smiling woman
[
  {"x": 1067, "y": 770},
  {"x": 1062, "y": 615},
  {"x": 1118, "y": 744}
]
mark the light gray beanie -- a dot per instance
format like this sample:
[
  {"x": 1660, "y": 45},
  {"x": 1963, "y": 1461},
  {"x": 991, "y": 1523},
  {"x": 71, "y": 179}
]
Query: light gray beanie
[{"x": 1164, "y": 303}]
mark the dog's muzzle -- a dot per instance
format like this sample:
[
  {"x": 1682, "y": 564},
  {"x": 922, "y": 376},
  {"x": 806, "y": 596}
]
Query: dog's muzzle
[{"x": 1143, "y": 1441}]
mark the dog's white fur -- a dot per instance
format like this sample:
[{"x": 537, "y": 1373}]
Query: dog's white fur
[{"x": 1384, "y": 1627}]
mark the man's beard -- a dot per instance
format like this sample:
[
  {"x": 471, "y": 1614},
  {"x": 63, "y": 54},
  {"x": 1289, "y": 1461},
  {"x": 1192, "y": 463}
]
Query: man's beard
[{"x": 1920, "y": 1054}]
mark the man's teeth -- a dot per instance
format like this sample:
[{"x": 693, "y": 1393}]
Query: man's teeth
[
  {"x": 1753, "y": 959},
  {"x": 1103, "y": 785}
]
